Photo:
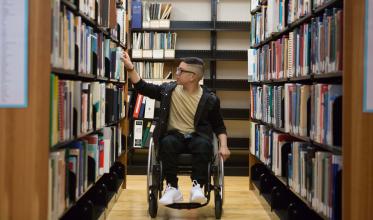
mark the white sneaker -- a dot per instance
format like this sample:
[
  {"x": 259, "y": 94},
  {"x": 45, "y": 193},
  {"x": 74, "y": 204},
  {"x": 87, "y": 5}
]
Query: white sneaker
[
  {"x": 196, "y": 193},
  {"x": 171, "y": 195}
]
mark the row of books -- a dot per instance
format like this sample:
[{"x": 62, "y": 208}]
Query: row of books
[
  {"x": 74, "y": 169},
  {"x": 312, "y": 111},
  {"x": 278, "y": 14},
  {"x": 142, "y": 133},
  {"x": 154, "y": 45},
  {"x": 315, "y": 47},
  {"x": 152, "y": 70},
  {"x": 77, "y": 47},
  {"x": 102, "y": 11},
  {"x": 147, "y": 14},
  {"x": 144, "y": 107},
  {"x": 312, "y": 174},
  {"x": 79, "y": 107},
  {"x": 154, "y": 40}
]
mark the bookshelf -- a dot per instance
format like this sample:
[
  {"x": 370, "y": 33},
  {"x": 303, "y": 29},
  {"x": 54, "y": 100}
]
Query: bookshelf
[
  {"x": 211, "y": 57},
  {"x": 274, "y": 130},
  {"x": 88, "y": 148}
]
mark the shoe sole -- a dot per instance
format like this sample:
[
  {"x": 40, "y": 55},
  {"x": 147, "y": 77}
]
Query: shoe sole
[
  {"x": 179, "y": 199},
  {"x": 198, "y": 200}
]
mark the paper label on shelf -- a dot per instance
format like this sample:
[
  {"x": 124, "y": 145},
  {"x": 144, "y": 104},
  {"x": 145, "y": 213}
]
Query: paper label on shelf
[
  {"x": 147, "y": 53},
  {"x": 368, "y": 65},
  {"x": 145, "y": 24},
  {"x": 158, "y": 54},
  {"x": 136, "y": 53},
  {"x": 154, "y": 23},
  {"x": 13, "y": 53},
  {"x": 169, "y": 53},
  {"x": 164, "y": 23}
]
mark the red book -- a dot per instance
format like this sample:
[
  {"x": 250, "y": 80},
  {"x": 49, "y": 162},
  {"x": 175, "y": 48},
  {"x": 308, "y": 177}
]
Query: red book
[{"x": 136, "y": 112}]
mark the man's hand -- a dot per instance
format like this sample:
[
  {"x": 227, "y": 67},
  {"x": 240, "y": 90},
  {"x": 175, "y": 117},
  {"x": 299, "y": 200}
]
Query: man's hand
[
  {"x": 224, "y": 152},
  {"x": 127, "y": 61}
]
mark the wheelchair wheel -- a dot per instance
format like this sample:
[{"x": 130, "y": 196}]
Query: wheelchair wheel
[
  {"x": 152, "y": 181},
  {"x": 153, "y": 205},
  {"x": 219, "y": 187},
  {"x": 218, "y": 206}
]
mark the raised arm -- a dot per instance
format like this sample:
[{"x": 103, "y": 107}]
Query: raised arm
[{"x": 148, "y": 89}]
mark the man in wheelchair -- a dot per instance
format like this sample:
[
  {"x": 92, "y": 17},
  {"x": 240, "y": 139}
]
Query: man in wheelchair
[{"x": 189, "y": 115}]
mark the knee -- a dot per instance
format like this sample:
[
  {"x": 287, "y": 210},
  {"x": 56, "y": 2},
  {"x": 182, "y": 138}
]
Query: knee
[
  {"x": 201, "y": 145},
  {"x": 167, "y": 144}
]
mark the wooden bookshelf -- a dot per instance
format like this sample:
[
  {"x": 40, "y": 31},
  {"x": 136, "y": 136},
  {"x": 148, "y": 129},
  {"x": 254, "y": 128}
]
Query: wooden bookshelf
[
  {"x": 357, "y": 196},
  {"x": 24, "y": 133},
  {"x": 338, "y": 77}
]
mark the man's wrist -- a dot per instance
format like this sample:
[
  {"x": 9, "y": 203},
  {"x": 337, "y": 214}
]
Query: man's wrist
[{"x": 131, "y": 69}]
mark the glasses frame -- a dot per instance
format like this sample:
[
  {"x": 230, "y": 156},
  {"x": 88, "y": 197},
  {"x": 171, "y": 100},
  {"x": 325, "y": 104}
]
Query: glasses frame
[{"x": 180, "y": 71}]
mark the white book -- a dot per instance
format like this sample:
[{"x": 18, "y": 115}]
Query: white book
[
  {"x": 137, "y": 133},
  {"x": 149, "y": 108}
]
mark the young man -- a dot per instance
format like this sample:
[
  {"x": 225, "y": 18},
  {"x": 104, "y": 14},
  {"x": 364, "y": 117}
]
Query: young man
[{"x": 188, "y": 117}]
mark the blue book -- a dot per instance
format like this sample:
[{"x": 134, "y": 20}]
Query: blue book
[{"x": 136, "y": 14}]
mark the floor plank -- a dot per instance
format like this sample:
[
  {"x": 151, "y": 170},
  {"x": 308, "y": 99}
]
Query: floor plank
[{"x": 240, "y": 202}]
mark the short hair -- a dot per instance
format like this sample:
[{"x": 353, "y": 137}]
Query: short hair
[{"x": 193, "y": 60}]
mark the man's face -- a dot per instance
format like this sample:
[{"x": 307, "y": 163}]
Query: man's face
[{"x": 183, "y": 74}]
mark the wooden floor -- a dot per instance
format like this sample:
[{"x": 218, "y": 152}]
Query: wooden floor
[{"x": 240, "y": 202}]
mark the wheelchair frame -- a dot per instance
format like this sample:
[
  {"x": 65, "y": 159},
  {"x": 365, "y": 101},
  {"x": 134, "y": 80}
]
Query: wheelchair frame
[{"x": 155, "y": 180}]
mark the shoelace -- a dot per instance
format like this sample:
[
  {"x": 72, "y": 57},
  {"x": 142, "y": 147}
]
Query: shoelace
[
  {"x": 168, "y": 187},
  {"x": 195, "y": 183}
]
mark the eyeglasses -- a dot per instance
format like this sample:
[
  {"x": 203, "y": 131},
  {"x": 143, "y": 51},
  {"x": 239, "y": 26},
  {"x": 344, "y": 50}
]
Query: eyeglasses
[{"x": 180, "y": 71}]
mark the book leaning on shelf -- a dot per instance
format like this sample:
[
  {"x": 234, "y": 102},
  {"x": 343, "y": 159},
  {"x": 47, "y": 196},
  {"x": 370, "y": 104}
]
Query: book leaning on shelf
[
  {"x": 148, "y": 14},
  {"x": 313, "y": 174},
  {"x": 74, "y": 169}
]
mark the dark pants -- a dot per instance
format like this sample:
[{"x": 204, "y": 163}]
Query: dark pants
[{"x": 175, "y": 143}]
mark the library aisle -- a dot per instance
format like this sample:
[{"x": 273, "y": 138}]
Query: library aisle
[{"x": 240, "y": 203}]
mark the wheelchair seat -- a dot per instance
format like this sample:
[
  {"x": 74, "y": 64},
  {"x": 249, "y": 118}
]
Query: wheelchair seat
[{"x": 184, "y": 159}]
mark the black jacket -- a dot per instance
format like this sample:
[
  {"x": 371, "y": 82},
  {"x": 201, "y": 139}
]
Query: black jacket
[{"x": 208, "y": 118}]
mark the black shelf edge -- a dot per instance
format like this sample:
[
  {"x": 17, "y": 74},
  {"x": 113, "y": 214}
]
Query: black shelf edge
[
  {"x": 235, "y": 114},
  {"x": 309, "y": 78},
  {"x": 229, "y": 55},
  {"x": 233, "y": 55},
  {"x": 64, "y": 144},
  {"x": 300, "y": 78},
  {"x": 69, "y": 5},
  {"x": 72, "y": 75},
  {"x": 101, "y": 78},
  {"x": 328, "y": 4},
  {"x": 200, "y": 26},
  {"x": 229, "y": 84},
  {"x": 305, "y": 19},
  {"x": 59, "y": 71},
  {"x": 232, "y": 26},
  {"x": 87, "y": 76},
  {"x": 181, "y": 26},
  {"x": 333, "y": 149},
  {"x": 338, "y": 74},
  {"x": 284, "y": 181}
]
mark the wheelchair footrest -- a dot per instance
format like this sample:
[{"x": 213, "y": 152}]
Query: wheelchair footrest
[{"x": 186, "y": 205}]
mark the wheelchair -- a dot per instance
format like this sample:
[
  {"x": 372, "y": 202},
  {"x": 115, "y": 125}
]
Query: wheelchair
[{"x": 155, "y": 180}]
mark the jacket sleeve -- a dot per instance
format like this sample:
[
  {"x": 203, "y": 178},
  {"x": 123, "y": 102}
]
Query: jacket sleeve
[
  {"x": 149, "y": 89},
  {"x": 216, "y": 118}
]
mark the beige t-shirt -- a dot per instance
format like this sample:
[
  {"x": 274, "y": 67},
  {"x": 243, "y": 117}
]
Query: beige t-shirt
[{"x": 183, "y": 108}]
